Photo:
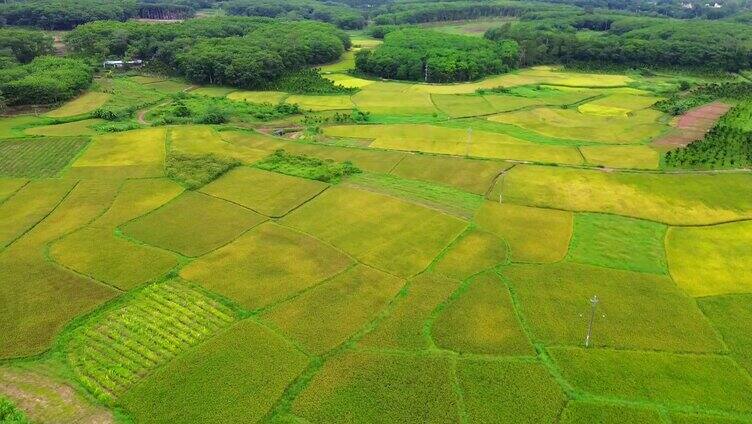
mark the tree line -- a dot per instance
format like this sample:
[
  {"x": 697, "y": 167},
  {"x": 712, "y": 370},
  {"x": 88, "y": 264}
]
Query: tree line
[
  {"x": 421, "y": 12},
  {"x": 338, "y": 14},
  {"x": 423, "y": 55},
  {"x": 44, "y": 80}
]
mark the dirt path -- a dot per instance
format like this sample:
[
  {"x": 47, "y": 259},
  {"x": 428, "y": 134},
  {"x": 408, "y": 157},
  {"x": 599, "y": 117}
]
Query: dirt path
[
  {"x": 692, "y": 125},
  {"x": 141, "y": 114}
]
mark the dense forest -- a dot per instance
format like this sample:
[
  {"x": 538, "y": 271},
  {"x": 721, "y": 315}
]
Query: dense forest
[
  {"x": 46, "y": 79},
  {"x": 627, "y": 41},
  {"x": 414, "y": 13},
  {"x": 237, "y": 51},
  {"x": 423, "y": 55},
  {"x": 62, "y": 15},
  {"x": 338, "y": 14}
]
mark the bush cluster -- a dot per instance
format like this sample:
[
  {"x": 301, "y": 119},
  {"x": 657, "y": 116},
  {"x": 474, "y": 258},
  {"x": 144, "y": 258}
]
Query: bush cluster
[
  {"x": 195, "y": 171},
  {"x": 307, "y": 167},
  {"x": 45, "y": 80}
]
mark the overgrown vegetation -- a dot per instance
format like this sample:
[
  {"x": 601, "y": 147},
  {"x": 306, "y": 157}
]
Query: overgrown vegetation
[
  {"x": 307, "y": 167},
  {"x": 195, "y": 171},
  {"x": 10, "y": 414},
  {"x": 702, "y": 94},
  {"x": 46, "y": 79},
  {"x": 727, "y": 145},
  {"x": 308, "y": 81},
  {"x": 186, "y": 109}
]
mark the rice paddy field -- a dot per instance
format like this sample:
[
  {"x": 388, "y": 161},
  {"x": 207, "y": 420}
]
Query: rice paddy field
[{"x": 433, "y": 263}]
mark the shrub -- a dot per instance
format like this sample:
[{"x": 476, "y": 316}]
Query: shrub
[
  {"x": 307, "y": 167},
  {"x": 196, "y": 171}
]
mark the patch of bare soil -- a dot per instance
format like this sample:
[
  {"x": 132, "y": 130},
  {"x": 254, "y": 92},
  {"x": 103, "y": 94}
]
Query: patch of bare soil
[{"x": 692, "y": 125}]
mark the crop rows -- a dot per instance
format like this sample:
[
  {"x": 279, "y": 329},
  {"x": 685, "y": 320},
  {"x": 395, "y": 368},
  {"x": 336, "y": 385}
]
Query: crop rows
[
  {"x": 43, "y": 157},
  {"x": 113, "y": 352}
]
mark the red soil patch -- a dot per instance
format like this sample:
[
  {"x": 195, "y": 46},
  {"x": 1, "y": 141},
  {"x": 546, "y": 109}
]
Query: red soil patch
[{"x": 693, "y": 125}]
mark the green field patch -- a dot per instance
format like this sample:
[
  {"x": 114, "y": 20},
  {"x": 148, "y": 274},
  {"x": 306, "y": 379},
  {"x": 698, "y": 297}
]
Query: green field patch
[
  {"x": 80, "y": 105},
  {"x": 196, "y": 171},
  {"x": 404, "y": 242},
  {"x": 14, "y": 126},
  {"x": 266, "y": 265},
  {"x": 462, "y": 105},
  {"x": 476, "y": 251},
  {"x": 683, "y": 199},
  {"x": 533, "y": 235},
  {"x": 679, "y": 418},
  {"x": 390, "y": 99},
  {"x": 30, "y": 205},
  {"x": 193, "y": 224},
  {"x": 710, "y": 382},
  {"x": 272, "y": 97},
  {"x": 442, "y": 198},
  {"x": 619, "y": 242},
  {"x": 618, "y": 104},
  {"x": 101, "y": 255},
  {"x": 268, "y": 193},
  {"x": 213, "y": 91},
  {"x": 713, "y": 260},
  {"x": 112, "y": 351},
  {"x": 519, "y": 133},
  {"x": 304, "y": 166},
  {"x": 578, "y": 411},
  {"x": 639, "y": 126},
  {"x": 474, "y": 176},
  {"x": 169, "y": 86},
  {"x": 345, "y": 63},
  {"x": 404, "y": 328},
  {"x": 9, "y": 186},
  {"x": 131, "y": 148},
  {"x": 329, "y": 314},
  {"x": 638, "y": 157},
  {"x": 45, "y": 398},
  {"x": 146, "y": 79},
  {"x": 136, "y": 198},
  {"x": 732, "y": 317},
  {"x": 200, "y": 140},
  {"x": 321, "y": 102},
  {"x": 348, "y": 80},
  {"x": 480, "y": 319},
  {"x": 69, "y": 129},
  {"x": 38, "y": 157},
  {"x": 509, "y": 392},
  {"x": 363, "y": 387},
  {"x": 636, "y": 310},
  {"x": 247, "y": 367}
]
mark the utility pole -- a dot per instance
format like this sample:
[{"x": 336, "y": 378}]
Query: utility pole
[
  {"x": 425, "y": 74},
  {"x": 593, "y": 304}
]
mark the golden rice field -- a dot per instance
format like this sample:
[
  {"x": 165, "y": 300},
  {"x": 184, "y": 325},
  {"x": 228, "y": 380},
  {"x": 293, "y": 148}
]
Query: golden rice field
[{"x": 446, "y": 277}]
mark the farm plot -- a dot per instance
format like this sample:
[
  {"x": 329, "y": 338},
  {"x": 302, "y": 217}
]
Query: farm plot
[
  {"x": 11, "y": 127},
  {"x": 462, "y": 105},
  {"x": 247, "y": 367},
  {"x": 267, "y": 193},
  {"x": 321, "y": 103},
  {"x": 617, "y": 105},
  {"x": 348, "y": 80},
  {"x": 476, "y": 251},
  {"x": 38, "y": 157},
  {"x": 533, "y": 235},
  {"x": 404, "y": 243},
  {"x": 712, "y": 260},
  {"x": 213, "y": 91},
  {"x": 509, "y": 391},
  {"x": 101, "y": 255},
  {"x": 391, "y": 99},
  {"x": 619, "y": 242},
  {"x": 679, "y": 199},
  {"x": 138, "y": 153},
  {"x": 193, "y": 224},
  {"x": 203, "y": 140},
  {"x": 112, "y": 351},
  {"x": 266, "y": 265},
  {"x": 69, "y": 129},
  {"x": 9, "y": 186},
  {"x": 640, "y": 126},
  {"x": 329, "y": 314},
  {"x": 474, "y": 176},
  {"x": 694, "y": 381},
  {"x": 636, "y": 310},
  {"x": 365, "y": 387},
  {"x": 480, "y": 319},
  {"x": 30, "y": 205},
  {"x": 593, "y": 412},
  {"x": 272, "y": 97},
  {"x": 344, "y": 64},
  {"x": 638, "y": 157},
  {"x": 731, "y": 316},
  {"x": 405, "y": 326},
  {"x": 80, "y": 105},
  {"x": 135, "y": 198}
]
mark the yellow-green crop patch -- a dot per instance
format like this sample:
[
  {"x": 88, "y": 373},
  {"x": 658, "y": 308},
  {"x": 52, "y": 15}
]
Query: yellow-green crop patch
[
  {"x": 476, "y": 251},
  {"x": 462, "y": 105},
  {"x": 636, "y": 310},
  {"x": 621, "y": 101},
  {"x": 68, "y": 129},
  {"x": 712, "y": 260},
  {"x": 509, "y": 392},
  {"x": 638, "y": 157},
  {"x": 265, "y": 192},
  {"x": 101, "y": 255},
  {"x": 139, "y": 147},
  {"x": 30, "y": 205},
  {"x": 80, "y": 105},
  {"x": 348, "y": 80},
  {"x": 365, "y": 387},
  {"x": 8, "y": 186},
  {"x": 193, "y": 224},
  {"x": 329, "y": 314},
  {"x": 480, "y": 319},
  {"x": 345, "y": 63},
  {"x": 213, "y": 91},
  {"x": 248, "y": 368},
  {"x": 404, "y": 243},
  {"x": 640, "y": 126},
  {"x": 390, "y": 99},
  {"x": 265, "y": 265},
  {"x": 112, "y": 351},
  {"x": 272, "y": 97},
  {"x": 135, "y": 198},
  {"x": 204, "y": 140},
  {"x": 533, "y": 235},
  {"x": 474, "y": 176},
  {"x": 405, "y": 326},
  {"x": 691, "y": 381},
  {"x": 619, "y": 242},
  {"x": 38, "y": 157},
  {"x": 682, "y": 199},
  {"x": 322, "y": 102},
  {"x": 679, "y": 418},
  {"x": 732, "y": 317},
  {"x": 578, "y": 411},
  {"x": 169, "y": 86}
]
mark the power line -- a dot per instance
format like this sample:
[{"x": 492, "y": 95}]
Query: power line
[{"x": 593, "y": 305}]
